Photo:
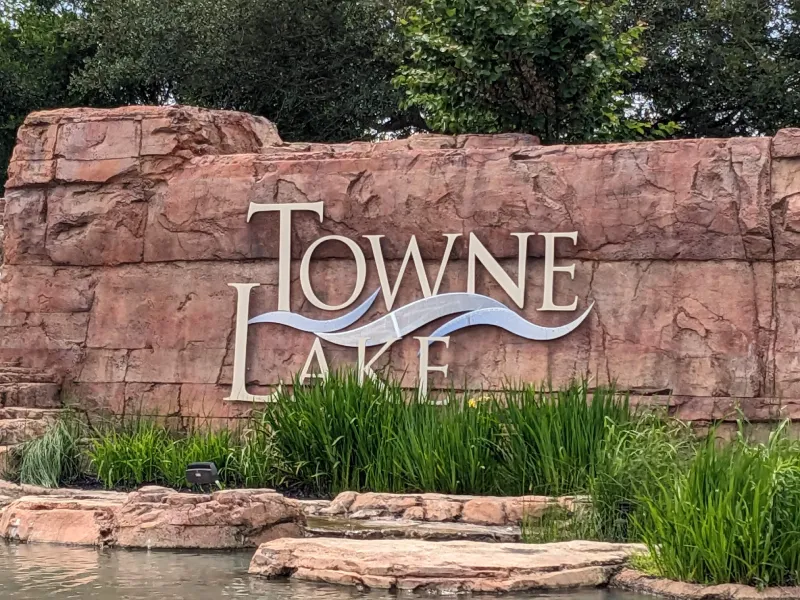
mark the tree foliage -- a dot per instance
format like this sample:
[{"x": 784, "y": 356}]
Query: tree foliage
[
  {"x": 568, "y": 70},
  {"x": 39, "y": 50},
  {"x": 551, "y": 67},
  {"x": 719, "y": 68},
  {"x": 320, "y": 69}
]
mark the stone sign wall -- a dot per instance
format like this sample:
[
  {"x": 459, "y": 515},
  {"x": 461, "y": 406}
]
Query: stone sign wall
[{"x": 124, "y": 229}]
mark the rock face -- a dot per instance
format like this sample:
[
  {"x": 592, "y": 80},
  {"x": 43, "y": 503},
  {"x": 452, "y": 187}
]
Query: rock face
[
  {"x": 442, "y": 567},
  {"x": 153, "y": 517},
  {"x": 123, "y": 229}
]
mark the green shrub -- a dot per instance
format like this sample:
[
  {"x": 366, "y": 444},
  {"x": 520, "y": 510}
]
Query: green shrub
[
  {"x": 732, "y": 516},
  {"x": 55, "y": 458}
]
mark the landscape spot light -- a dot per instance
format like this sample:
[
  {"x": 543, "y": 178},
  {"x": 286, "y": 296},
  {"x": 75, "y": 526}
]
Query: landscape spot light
[{"x": 202, "y": 473}]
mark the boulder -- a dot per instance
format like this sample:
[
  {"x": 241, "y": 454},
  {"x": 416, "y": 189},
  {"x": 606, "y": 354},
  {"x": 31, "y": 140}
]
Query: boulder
[
  {"x": 443, "y": 567},
  {"x": 162, "y": 518},
  {"x": 152, "y": 517},
  {"x": 84, "y": 522}
]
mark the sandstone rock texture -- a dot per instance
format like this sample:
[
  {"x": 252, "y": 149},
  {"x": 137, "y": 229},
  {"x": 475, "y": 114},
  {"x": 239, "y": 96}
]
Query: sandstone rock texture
[
  {"x": 441, "y": 508},
  {"x": 383, "y": 528},
  {"x": 442, "y": 567},
  {"x": 153, "y": 517},
  {"x": 123, "y": 229},
  {"x": 629, "y": 579}
]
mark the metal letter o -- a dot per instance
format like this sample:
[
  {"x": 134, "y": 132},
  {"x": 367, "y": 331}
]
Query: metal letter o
[{"x": 361, "y": 272}]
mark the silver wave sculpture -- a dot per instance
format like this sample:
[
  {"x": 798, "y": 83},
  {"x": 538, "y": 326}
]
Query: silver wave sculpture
[
  {"x": 411, "y": 317},
  {"x": 479, "y": 309},
  {"x": 290, "y": 319},
  {"x": 507, "y": 319}
]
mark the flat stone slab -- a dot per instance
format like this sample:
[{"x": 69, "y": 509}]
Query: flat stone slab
[
  {"x": 443, "y": 567},
  {"x": 636, "y": 581},
  {"x": 388, "y": 528},
  {"x": 15, "y": 490}
]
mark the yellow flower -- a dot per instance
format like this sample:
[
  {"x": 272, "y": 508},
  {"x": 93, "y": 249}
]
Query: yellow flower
[{"x": 472, "y": 403}]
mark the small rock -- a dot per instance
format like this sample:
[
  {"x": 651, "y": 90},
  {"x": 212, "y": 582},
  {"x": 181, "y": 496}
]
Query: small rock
[
  {"x": 393, "y": 504},
  {"x": 367, "y": 513},
  {"x": 415, "y": 513},
  {"x": 341, "y": 504},
  {"x": 150, "y": 493},
  {"x": 441, "y": 510},
  {"x": 314, "y": 507},
  {"x": 484, "y": 511}
]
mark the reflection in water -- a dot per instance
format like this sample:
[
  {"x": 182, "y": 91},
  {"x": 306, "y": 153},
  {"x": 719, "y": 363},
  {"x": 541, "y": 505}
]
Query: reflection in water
[{"x": 36, "y": 571}]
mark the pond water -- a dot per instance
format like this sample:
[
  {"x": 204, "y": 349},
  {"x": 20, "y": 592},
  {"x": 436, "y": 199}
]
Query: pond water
[{"x": 36, "y": 571}]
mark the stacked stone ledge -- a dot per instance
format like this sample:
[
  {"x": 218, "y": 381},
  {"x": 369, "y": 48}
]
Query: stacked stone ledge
[
  {"x": 444, "y": 508},
  {"x": 123, "y": 228}
]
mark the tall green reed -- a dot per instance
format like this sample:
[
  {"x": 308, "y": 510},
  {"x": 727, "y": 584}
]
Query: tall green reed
[
  {"x": 632, "y": 460},
  {"x": 452, "y": 447},
  {"x": 340, "y": 434},
  {"x": 732, "y": 516},
  {"x": 554, "y": 436},
  {"x": 335, "y": 434}
]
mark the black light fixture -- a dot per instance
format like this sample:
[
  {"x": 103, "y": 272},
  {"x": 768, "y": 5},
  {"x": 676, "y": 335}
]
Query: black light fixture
[{"x": 203, "y": 473}]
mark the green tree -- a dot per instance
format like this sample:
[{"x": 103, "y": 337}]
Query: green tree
[
  {"x": 550, "y": 67},
  {"x": 38, "y": 54},
  {"x": 320, "y": 69},
  {"x": 719, "y": 67}
]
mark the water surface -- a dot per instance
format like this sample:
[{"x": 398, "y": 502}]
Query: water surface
[{"x": 37, "y": 571}]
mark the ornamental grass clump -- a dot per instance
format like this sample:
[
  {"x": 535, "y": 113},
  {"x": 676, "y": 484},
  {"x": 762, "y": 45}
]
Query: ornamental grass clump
[
  {"x": 733, "y": 516},
  {"x": 454, "y": 447},
  {"x": 54, "y": 459},
  {"x": 633, "y": 460},
  {"x": 147, "y": 452}
]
